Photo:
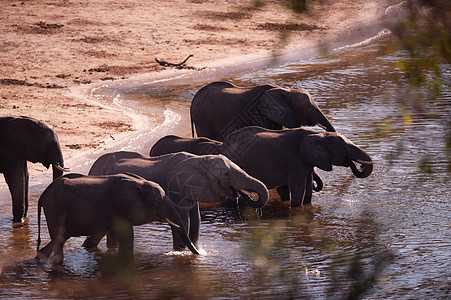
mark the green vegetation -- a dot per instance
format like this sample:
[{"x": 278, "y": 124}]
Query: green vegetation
[{"x": 425, "y": 34}]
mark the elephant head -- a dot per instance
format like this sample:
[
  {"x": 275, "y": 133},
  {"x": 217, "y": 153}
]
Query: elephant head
[
  {"x": 208, "y": 178},
  {"x": 32, "y": 140},
  {"x": 142, "y": 201},
  {"x": 329, "y": 148},
  {"x": 293, "y": 108}
]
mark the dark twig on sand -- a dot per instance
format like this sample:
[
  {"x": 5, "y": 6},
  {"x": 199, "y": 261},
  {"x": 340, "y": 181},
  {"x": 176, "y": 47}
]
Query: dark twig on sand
[{"x": 168, "y": 64}]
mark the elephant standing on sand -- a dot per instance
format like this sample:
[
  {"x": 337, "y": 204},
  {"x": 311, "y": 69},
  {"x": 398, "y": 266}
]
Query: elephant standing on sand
[
  {"x": 25, "y": 139},
  {"x": 79, "y": 205},
  {"x": 285, "y": 157},
  {"x": 187, "y": 180},
  {"x": 221, "y": 108}
]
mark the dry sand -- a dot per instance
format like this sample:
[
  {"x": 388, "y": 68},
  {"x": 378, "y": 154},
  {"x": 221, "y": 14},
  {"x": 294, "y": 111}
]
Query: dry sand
[{"x": 48, "y": 47}]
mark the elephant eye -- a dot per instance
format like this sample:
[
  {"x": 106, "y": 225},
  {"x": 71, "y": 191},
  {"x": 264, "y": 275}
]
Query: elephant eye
[{"x": 226, "y": 173}]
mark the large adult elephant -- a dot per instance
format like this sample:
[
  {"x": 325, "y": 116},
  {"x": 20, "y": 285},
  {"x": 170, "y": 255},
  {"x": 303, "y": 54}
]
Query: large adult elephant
[
  {"x": 285, "y": 157},
  {"x": 221, "y": 108},
  {"x": 79, "y": 205},
  {"x": 25, "y": 139},
  {"x": 187, "y": 180}
]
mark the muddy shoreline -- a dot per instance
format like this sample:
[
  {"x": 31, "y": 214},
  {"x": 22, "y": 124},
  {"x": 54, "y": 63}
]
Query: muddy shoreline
[{"x": 55, "y": 53}]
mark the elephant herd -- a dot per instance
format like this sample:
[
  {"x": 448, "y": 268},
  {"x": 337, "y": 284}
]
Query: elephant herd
[{"x": 248, "y": 140}]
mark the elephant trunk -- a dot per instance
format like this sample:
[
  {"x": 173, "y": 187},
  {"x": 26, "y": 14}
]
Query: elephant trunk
[
  {"x": 364, "y": 171},
  {"x": 319, "y": 182},
  {"x": 324, "y": 123},
  {"x": 57, "y": 171},
  {"x": 183, "y": 234},
  {"x": 366, "y": 164},
  {"x": 54, "y": 157},
  {"x": 171, "y": 214},
  {"x": 252, "y": 185}
]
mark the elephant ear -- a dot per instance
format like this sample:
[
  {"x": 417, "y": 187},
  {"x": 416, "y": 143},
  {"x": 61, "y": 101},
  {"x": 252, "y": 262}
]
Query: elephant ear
[
  {"x": 187, "y": 183},
  {"x": 275, "y": 105},
  {"x": 314, "y": 152}
]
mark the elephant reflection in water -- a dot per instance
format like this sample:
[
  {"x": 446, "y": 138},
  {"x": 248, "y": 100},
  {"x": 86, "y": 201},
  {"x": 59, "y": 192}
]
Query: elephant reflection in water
[
  {"x": 25, "y": 139},
  {"x": 187, "y": 179},
  {"x": 79, "y": 205},
  {"x": 280, "y": 158}
]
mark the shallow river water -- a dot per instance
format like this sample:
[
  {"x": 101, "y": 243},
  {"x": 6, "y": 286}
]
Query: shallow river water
[{"x": 387, "y": 236}]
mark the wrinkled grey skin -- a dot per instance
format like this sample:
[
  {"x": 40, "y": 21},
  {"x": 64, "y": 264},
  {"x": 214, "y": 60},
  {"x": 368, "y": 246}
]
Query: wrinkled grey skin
[
  {"x": 79, "y": 205},
  {"x": 284, "y": 157},
  {"x": 202, "y": 146},
  {"x": 25, "y": 139},
  {"x": 221, "y": 108},
  {"x": 187, "y": 179}
]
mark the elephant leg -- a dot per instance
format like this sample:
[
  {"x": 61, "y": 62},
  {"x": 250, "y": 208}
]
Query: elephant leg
[
  {"x": 111, "y": 241},
  {"x": 284, "y": 192},
  {"x": 300, "y": 184},
  {"x": 53, "y": 251},
  {"x": 93, "y": 240},
  {"x": 308, "y": 190},
  {"x": 178, "y": 244},
  {"x": 26, "y": 184},
  {"x": 192, "y": 226},
  {"x": 17, "y": 177},
  {"x": 44, "y": 253},
  {"x": 124, "y": 234}
]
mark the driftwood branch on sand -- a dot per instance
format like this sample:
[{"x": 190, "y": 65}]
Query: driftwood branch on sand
[{"x": 168, "y": 64}]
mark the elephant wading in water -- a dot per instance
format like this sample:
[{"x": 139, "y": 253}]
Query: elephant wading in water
[
  {"x": 221, "y": 108},
  {"x": 187, "y": 180},
  {"x": 285, "y": 157},
  {"x": 25, "y": 139},
  {"x": 79, "y": 205},
  {"x": 203, "y": 146}
]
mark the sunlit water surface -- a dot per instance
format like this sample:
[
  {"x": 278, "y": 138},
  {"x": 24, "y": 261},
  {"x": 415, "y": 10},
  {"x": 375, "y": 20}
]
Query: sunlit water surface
[{"x": 390, "y": 232}]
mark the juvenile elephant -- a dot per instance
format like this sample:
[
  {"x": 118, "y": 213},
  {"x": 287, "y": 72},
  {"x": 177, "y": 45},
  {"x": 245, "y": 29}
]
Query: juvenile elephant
[
  {"x": 187, "y": 179},
  {"x": 79, "y": 205},
  {"x": 220, "y": 108},
  {"x": 286, "y": 157},
  {"x": 202, "y": 146},
  {"x": 25, "y": 139}
]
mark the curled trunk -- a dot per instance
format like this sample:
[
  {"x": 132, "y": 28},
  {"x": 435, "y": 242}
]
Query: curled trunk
[
  {"x": 319, "y": 182},
  {"x": 365, "y": 169},
  {"x": 252, "y": 185}
]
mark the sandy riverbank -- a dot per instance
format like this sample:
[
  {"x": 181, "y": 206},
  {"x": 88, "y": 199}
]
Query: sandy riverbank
[{"x": 49, "y": 47}]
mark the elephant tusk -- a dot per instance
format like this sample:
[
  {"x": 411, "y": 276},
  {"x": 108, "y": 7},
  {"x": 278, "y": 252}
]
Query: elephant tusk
[
  {"x": 172, "y": 223},
  {"x": 365, "y": 162},
  {"x": 321, "y": 126},
  {"x": 57, "y": 166}
]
